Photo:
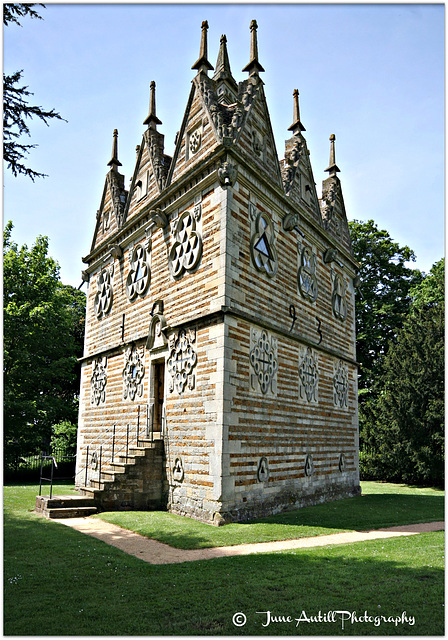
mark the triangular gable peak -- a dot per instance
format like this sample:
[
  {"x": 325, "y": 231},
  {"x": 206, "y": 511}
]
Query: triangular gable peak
[
  {"x": 297, "y": 173},
  {"x": 110, "y": 215},
  {"x": 152, "y": 164},
  {"x": 332, "y": 203},
  {"x": 221, "y": 112}
]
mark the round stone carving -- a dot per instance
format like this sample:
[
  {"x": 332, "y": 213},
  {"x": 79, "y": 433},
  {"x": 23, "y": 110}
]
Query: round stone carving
[
  {"x": 195, "y": 141},
  {"x": 139, "y": 275},
  {"x": 187, "y": 248},
  {"x": 104, "y": 295},
  {"x": 263, "y": 251}
]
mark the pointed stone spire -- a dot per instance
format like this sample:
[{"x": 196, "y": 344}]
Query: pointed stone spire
[
  {"x": 114, "y": 162},
  {"x": 202, "y": 64},
  {"x": 222, "y": 64},
  {"x": 296, "y": 126},
  {"x": 332, "y": 167},
  {"x": 152, "y": 120},
  {"x": 254, "y": 66}
]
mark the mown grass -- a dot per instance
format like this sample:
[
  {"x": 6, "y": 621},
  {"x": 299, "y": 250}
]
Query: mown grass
[
  {"x": 381, "y": 505},
  {"x": 61, "y": 582}
]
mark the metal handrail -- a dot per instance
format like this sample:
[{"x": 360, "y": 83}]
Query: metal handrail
[{"x": 112, "y": 445}]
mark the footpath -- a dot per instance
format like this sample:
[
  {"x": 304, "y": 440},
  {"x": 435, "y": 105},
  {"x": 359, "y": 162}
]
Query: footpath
[{"x": 156, "y": 552}]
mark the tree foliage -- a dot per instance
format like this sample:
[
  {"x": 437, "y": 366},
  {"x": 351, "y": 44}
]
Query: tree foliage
[
  {"x": 43, "y": 335},
  {"x": 16, "y": 109},
  {"x": 383, "y": 298},
  {"x": 405, "y": 439}
]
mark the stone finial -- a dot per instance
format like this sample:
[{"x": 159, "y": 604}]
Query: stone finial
[
  {"x": 152, "y": 120},
  {"x": 296, "y": 126},
  {"x": 332, "y": 167},
  {"x": 202, "y": 64},
  {"x": 222, "y": 64},
  {"x": 254, "y": 66},
  {"x": 114, "y": 162}
]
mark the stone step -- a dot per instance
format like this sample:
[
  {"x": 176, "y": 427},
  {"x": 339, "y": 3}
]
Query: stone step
[
  {"x": 70, "y": 506},
  {"x": 70, "y": 512}
]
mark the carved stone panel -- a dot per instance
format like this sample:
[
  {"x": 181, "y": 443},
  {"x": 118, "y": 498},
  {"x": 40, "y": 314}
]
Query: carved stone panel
[
  {"x": 178, "y": 470},
  {"x": 264, "y": 361},
  {"x": 262, "y": 245},
  {"x": 263, "y": 470},
  {"x": 104, "y": 296},
  {"x": 308, "y": 375},
  {"x": 98, "y": 381},
  {"x": 139, "y": 276},
  {"x": 186, "y": 251},
  {"x": 339, "y": 297},
  {"x": 309, "y": 465},
  {"x": 133, "y": 373},
  {"x": 340, "y": 385},
  {"x": 306, "y": 275},
  {"x": 182, "y": 361}
]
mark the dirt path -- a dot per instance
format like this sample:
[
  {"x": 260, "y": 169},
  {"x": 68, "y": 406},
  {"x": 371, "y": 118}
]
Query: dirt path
[{"x": 156, "y": 552}]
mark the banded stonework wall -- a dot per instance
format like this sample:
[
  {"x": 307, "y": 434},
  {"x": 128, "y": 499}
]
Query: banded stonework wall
[{"x": 222, "y": 271}]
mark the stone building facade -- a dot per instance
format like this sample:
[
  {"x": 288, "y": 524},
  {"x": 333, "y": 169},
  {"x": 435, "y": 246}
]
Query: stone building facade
[{"x": 219, "y": 376}]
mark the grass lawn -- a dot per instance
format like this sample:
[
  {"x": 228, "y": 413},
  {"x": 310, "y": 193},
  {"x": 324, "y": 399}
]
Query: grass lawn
[
  {"x": 381, "y": 505},
  {"x": 61, "y": 582}
]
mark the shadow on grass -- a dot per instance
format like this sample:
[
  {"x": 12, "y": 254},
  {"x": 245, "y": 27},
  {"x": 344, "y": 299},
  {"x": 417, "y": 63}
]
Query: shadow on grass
[
  {"x": 61, "y": 582},
  {"x": 371, "y": 511},
  {"x": 362, "y": 513}
]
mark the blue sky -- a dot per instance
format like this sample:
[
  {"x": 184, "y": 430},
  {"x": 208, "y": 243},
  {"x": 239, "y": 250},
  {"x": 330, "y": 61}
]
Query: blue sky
[{"x": 371, "y": 74}]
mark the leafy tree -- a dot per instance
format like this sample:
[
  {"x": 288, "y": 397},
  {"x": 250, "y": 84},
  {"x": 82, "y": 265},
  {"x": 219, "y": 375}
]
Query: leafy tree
[
  {"x": 406, "y": 438},
  {"x": 16, "y": 109},
  {"x": 383, "y": 297},
  {"x": 43, "y": 329},
  {"x": 63, "y": 438}
]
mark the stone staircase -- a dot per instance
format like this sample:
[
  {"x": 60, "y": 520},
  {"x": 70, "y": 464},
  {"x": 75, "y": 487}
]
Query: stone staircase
[
  {"x": 69, "y": 506},
  {"x": 132, "y": 482}
]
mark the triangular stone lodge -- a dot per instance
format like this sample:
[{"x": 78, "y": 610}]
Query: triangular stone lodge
[{"x": 219, "y": 375}]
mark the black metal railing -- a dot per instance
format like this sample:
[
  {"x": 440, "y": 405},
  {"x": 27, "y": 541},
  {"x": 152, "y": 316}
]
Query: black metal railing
[
  {"x": 99, "y": 457},
  {"x": 53, "y": 466}
]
